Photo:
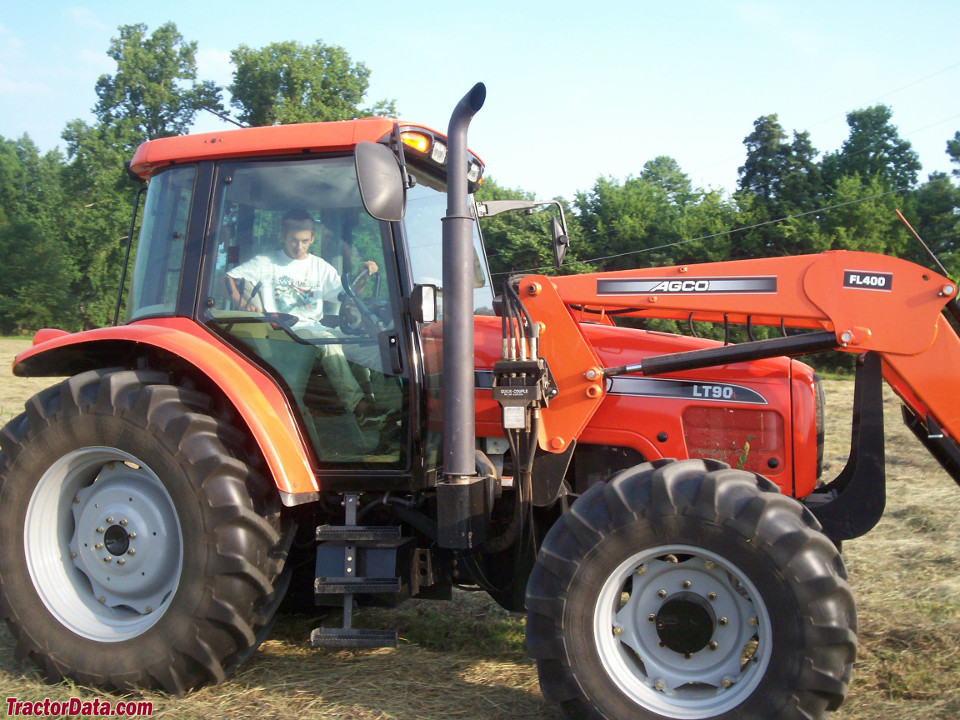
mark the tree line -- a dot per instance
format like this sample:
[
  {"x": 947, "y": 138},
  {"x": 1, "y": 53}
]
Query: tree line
[{"x": 65, "y": 215}]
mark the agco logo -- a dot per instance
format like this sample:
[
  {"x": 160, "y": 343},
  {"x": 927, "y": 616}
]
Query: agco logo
[
  {"x": 672, "y": 286},
  {"x": 686, "y": 286}
]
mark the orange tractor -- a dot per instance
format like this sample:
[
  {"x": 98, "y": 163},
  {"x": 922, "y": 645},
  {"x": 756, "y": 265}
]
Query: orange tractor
[{"x": 290, "y": 412}]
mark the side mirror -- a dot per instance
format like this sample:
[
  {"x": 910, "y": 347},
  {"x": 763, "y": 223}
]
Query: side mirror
[
  {"x": 560, "y": 241},
  {"x": 423, "y": 303},
  {"x": 380, "y": 178},
  {"x": 558, "y": 227}
]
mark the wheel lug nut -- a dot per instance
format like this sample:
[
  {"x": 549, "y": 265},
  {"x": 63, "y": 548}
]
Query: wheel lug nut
[
  {"x": 131, "y": 551},
  {"x": 661, "y": 594},
  {"x": 685, "y": 584},
  {"x": 712, "y": 597},
  {"x": 722, "y": 622},
  {"x": 100, "y": 530},
  {"x": 713, "y": 646},
  {"x": 651, "y": 618},
  {"x": 121, "y": 561},
  {"x": 110, "y": 521},
  {"x": 132, "y": 536},
  {"x": 107, "y": 559},
  {"x": 123, "y": 522},
  {"x": 98, "y": 546}
]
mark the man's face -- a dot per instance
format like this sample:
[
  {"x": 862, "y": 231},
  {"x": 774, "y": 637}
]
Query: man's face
[{"x": 296, "y": 243}]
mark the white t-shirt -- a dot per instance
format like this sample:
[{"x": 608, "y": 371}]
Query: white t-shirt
[{"x": 298, "y": 287}]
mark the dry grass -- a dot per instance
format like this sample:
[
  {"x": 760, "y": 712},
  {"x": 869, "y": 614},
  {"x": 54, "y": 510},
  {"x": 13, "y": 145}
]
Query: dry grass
[{"x": 465, "y": 660}]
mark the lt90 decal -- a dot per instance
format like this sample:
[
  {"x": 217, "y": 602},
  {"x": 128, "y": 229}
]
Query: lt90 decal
[
  {"x": 683, "y": 390},
  {"x": 863, "y": 280}
]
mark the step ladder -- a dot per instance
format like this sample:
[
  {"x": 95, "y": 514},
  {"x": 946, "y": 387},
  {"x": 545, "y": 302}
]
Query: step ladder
[{"x": 365, "y": 550}]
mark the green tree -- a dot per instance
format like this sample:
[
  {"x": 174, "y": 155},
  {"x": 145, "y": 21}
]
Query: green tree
[
  {"x": 874, "y": 150},
  {"x": 768, "y": 157},
  {"x": 933, "y": 212},
  {"x": 953, "y": 150},
  {"x": 288, "y": 82},
  {"x": 665, "y": 172},
  {"x": 780, "y": 183},
  {"x": 863, "y": 217},
  {"x": 654, "y": 219},
  {"x": 98, "y": 216},
  {"x": 154, "y": 92},
  {"x": 37, "y": 267}
]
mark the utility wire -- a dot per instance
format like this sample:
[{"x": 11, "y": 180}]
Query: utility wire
[
  {"x": 744, "y": 228},
  {"x": 836, "y": 115}
]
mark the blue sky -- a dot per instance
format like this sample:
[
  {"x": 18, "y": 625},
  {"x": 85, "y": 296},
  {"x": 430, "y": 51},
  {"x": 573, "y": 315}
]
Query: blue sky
[{"x": 575, "y": 90}]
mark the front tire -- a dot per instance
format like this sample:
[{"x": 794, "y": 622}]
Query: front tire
[
  {"x": 690, "y": 590},
  {"x": 136, "y": 548}
]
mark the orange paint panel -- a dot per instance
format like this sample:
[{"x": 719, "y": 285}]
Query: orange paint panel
[
  {"x": 257, "y": 141},
  {"x": 570, "y": 358},
  {"x": 929, "y": 382},
  {"x": 256, "y": 397},
  {"x": 804, "y": 428},
  {"x": 884, "y": 303}
]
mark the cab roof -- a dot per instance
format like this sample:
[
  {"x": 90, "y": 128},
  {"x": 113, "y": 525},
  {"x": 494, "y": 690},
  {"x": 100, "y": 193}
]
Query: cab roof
[{"x": 260, "y": 141}]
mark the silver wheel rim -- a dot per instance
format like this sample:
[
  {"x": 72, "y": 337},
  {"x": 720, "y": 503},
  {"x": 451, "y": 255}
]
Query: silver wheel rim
[
  {"x": 635, "y": 612},
  {"x": 103, "y": 544}
]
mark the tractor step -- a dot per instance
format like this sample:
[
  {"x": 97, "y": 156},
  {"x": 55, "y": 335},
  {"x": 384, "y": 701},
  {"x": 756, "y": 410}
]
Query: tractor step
[
  {"x": 355, "y": 585},
  {"x": 361, "y": 535},
  {"x": 352, "y": 638},
  {"x": 345, "y": 555}
]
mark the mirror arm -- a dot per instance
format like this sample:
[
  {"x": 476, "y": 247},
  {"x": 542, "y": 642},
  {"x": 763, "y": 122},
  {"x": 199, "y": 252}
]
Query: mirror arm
[
  {"x": 489, "y": 208},
  {"x": 397, "y": 142}
]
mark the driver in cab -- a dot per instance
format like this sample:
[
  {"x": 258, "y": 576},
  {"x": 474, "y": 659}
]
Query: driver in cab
[{"x": 294, "y": 281}]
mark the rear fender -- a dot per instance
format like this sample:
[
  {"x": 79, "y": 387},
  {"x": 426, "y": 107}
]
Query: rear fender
[{"x": 254, "y": 395}]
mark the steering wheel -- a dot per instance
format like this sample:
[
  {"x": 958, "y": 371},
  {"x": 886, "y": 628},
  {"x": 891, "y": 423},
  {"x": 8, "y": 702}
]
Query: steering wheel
[{"x": 356, "y": 315}]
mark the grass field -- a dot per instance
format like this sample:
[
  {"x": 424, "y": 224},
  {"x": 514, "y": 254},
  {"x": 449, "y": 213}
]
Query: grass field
[{"x": 465, "y": 660}]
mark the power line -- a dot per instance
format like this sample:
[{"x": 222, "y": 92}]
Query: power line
[
  {"x": 841, "y": 114},
  {"x": 712, "y": 236}
]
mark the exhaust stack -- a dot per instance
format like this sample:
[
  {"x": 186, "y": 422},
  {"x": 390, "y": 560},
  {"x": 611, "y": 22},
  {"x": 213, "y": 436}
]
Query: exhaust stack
[{"x": 463, "y": 512}]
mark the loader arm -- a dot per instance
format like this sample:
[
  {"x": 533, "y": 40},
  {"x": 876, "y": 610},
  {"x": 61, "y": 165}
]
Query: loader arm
[{"x": 852, "y": 301}]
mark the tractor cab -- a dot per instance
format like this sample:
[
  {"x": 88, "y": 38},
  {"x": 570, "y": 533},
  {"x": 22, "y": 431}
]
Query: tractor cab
[{"x": 217, "y": 245}]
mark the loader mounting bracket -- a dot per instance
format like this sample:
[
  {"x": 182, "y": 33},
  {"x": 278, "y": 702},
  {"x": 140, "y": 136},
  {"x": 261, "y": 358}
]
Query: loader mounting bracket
[{"x": 853, "y": 503}]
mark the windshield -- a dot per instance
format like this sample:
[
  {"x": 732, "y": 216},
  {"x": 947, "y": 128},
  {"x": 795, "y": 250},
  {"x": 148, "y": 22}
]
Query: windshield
[{"x": 426, "y": 205}]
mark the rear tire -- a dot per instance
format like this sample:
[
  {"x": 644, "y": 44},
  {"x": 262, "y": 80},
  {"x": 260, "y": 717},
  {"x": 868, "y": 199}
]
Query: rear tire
[
  {"x": 690, "y": 590},
  {"x": 136, "y": 548}
]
